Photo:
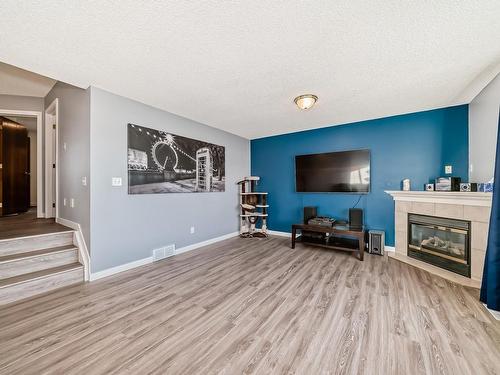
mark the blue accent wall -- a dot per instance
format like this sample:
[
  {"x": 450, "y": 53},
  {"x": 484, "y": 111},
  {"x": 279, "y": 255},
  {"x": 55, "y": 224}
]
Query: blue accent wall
[{"x": 415, "y": 146}]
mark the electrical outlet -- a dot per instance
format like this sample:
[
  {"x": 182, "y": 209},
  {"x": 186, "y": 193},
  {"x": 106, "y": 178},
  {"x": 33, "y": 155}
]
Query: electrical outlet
[
  {"x": 72, "y": 202},
  {"x": 84, "y": 180},
  {"x": 65, "y": 146},
  {"x": 65, "y": 201},
  {"x": 448, "y": 169},
  {"x": 116, "y": 181},
  {"x": 192, "y": 230}
]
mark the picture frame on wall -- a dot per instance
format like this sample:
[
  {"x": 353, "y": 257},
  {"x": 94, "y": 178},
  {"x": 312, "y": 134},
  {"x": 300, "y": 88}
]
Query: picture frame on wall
[{"x": 162, "y": 162}]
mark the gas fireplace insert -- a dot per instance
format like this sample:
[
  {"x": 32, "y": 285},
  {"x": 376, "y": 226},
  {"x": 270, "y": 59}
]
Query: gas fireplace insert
[{"x": 440, "y": 241}]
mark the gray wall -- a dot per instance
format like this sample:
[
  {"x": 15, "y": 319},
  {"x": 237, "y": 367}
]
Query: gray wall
[
  {"x": 483, "y": 127},
  {"x": 23, "y": 103},
  {"x": 74, "y": 163},
  {"x": 126, "y": 227}
]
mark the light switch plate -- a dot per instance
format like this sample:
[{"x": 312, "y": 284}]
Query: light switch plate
[
  {"x": 65, "y": 201},
  {"x": 84, "y": 180},
  {"x": 72, "y": 202},
  {"x": 116, "y": 181},
  {"x": 448, "y": 169}
]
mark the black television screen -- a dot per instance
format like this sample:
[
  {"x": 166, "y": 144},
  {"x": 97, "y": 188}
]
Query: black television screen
[{"x": 333, "y": 172}]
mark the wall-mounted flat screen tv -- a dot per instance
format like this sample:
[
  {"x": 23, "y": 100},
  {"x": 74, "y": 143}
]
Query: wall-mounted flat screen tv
[{"x": 333, "y": 172}]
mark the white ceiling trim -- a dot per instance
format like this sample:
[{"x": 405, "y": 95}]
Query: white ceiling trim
[{"x": 478, "y": 84}]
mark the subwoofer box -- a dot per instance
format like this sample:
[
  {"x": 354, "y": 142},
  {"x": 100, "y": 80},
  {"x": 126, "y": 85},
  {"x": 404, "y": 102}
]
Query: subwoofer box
[{"x": 376, "y": 242}]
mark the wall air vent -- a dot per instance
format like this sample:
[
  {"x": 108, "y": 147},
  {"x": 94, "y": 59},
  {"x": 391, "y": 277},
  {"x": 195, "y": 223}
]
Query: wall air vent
[{"x": 163, "y": 252}]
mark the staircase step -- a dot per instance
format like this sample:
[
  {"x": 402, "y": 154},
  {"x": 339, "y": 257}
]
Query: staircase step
[
  {"x": 30, "y": 284},
  {"x": 32, "y": 243},
  {"x": 23, "y": 263}
]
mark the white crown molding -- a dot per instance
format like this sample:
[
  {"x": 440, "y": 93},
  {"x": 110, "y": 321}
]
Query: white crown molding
[{"x": 446, "y": 197}]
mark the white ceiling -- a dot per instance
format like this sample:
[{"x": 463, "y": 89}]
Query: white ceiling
[
  {"x": 237, "y": 65},
  {"x": 15, "y": 81}
]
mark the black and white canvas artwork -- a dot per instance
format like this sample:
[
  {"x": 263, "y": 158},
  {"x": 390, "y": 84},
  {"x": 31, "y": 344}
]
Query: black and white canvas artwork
[{"x": 162, "y": 162}]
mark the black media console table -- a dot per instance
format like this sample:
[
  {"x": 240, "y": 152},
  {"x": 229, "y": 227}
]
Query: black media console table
[{"x": 340, "y": 237}]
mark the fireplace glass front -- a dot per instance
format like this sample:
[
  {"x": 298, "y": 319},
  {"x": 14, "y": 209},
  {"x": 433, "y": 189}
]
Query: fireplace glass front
[{"x": 440, "y": 241}]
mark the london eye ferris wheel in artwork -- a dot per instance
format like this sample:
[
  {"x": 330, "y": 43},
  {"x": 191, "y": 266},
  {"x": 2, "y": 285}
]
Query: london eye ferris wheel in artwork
[
  {"x": 184, "y": 164},
  {"x": 164, "y": 153}
]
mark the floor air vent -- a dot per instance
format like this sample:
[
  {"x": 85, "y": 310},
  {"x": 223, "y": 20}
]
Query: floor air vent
[{"x": 163, "y": 252}]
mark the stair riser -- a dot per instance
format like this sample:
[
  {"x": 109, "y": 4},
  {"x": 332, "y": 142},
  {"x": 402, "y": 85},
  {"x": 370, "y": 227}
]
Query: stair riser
[
  {"x": 21, "y": 245},
  {"x": 31, "y": 288},
  {"x": 37, "y": 263}
]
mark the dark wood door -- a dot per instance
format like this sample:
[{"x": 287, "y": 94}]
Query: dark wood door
[{"x": 15, "y": 167}]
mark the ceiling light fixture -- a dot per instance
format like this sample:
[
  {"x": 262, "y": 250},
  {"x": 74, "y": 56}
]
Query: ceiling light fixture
[{"x": 305, "y": 101}]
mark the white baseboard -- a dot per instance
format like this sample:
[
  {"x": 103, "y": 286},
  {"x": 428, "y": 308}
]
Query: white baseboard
[
  {"x": 205, "y": 243},
  {"x": 83, "y": 251},
  {"x": 68, "y": 223},
  {"x": 278, "y": 233},
  {"x": 496, "y": 314},
  {"x": 148, "y": 260},
  {"x": 123, "y": 267}
]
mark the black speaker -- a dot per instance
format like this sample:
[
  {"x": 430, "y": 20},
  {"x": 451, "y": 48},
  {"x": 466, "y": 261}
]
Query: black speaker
[
  {"x": 376, "y": 242},
  {"x": 356, "y": 218},
  {"x": 310, "y": 213}
]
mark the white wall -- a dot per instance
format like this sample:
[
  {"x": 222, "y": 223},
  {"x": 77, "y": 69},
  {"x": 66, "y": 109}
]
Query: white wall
[
  {"x": 483, "y": 127},
  {"x": 127, "y": 227},
  {"x": 74, "y": 162}
]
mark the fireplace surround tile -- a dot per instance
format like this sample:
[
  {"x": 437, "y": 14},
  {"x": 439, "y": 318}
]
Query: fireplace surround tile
[
  {"x": 452, "y": 211},
  {"x": 401, "y": 243},
  {"x": 477, "y": 263},
  {"x": 473, "y": 207},
  {"x": 479, "y": 238},
  {"x": 401, "y": 221},
  {"x": 402, "y": 206},
  {"x": 477, "y": 213},
  {"x": 423, "y": 208}
]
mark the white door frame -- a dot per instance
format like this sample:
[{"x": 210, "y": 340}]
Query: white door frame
[
  {"x": 39, "y": 153},
  {"x": 52, "y": 111}
]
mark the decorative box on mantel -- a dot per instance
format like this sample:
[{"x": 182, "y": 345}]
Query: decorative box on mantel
[{"x": 443, "y": 232}]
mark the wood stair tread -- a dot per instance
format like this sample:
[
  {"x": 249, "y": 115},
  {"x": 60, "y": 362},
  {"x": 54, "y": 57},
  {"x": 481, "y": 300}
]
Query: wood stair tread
[
  {"x": 30, "y": 236},
  {"x": 39, "y": 274},
  {"x": 29, "y": 254}
]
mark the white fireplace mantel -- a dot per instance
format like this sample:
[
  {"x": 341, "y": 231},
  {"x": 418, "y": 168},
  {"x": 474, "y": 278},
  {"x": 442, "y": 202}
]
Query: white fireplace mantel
[{"x": 445, "y": 197}]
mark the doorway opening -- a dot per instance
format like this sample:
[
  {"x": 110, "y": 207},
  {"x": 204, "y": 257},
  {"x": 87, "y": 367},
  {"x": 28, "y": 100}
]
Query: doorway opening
[
  {"x": 51, "y": 159},
  {"x": 21, "y": 163}
]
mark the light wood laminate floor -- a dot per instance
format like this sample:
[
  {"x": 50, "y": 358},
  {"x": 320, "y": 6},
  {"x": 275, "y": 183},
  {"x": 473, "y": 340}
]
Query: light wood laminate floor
[
  {"x": 27, "y": 224},
  {"x": 255, "y": 306}
]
